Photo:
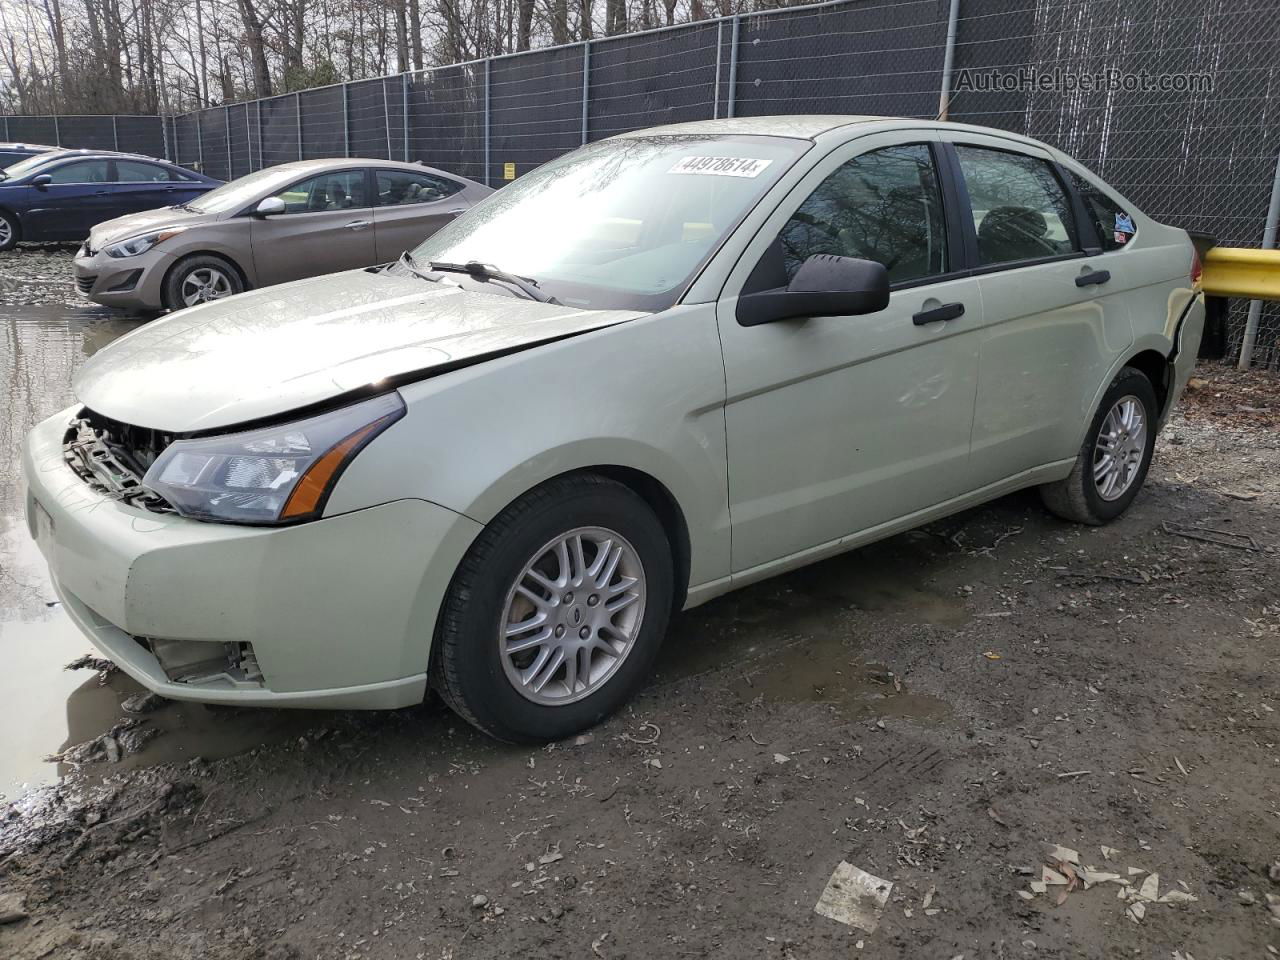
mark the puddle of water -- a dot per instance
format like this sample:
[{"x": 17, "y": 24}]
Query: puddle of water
[
  {"x": 46, "y": 708},
  {"x": 793, "y": 639}
]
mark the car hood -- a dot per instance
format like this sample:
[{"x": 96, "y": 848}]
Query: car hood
[
  {"x": 270, "y": 351},
  {"x": 132, "y": 224}
]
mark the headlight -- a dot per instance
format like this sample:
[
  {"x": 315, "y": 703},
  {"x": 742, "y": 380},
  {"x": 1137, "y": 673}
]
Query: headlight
[
  {"x": 280, "y": 474},
  {"x": 136, "y": 245}
]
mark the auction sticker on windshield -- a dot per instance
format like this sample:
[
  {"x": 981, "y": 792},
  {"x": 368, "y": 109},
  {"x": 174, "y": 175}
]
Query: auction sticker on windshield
[{"x": 721, "y": 166}]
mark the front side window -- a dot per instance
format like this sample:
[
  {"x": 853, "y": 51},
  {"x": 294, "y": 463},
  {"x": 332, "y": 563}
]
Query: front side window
[
  {"x": 397, "y": 188},
  {"x": 329, "y": 191},
  {"x": 82, "y": 171},
  {"x": 1113, "y": 223},
  {"x": 622, "y": 224},
  {"x": 134, "y": 171},
  {"x": 884, "y": 206},
  {"x": 1020, "y": 211}
]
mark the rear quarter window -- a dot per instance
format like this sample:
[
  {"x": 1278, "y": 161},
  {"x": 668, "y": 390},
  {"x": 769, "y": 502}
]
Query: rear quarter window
[{"x": 1114, "y": 224}]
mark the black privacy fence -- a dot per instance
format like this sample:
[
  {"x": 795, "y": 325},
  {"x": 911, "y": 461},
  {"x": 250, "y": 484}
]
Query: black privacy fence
[
  {"x": 137, "y": 134},
  {"x": 1174, "y": 102}
]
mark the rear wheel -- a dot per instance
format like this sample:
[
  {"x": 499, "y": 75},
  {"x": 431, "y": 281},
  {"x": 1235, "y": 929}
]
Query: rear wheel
[
  {"x": 1113, "y": 461},
  {"x": 10, "y": 231},
  {"x": 200, "y": 279},
  {"x": 557, "y": 611}
]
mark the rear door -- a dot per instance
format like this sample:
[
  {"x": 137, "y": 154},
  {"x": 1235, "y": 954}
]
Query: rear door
[
  {"x": 327, "y": 226},
  {"x": 78, "y": 196},
  {"x": 411, "y": 206},
  {"x": 141, "y": 186},
  {"x": 1054, "y": 318}
]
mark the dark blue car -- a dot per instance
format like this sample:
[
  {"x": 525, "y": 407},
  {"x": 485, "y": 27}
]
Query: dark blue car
[
  {"x": 11, "y": 153},
  {"x": 61, "y": 195}
]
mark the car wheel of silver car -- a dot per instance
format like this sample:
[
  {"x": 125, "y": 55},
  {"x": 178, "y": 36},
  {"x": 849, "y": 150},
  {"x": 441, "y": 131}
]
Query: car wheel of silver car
[
  {"x": 10, "y": 231},
  {"x": 1113, "y": 461},
  {"x": 556, "y": 613},
  {"x": 200, "y": 279}
]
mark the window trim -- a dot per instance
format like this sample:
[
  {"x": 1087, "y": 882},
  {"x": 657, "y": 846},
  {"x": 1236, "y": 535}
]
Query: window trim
[{"x": 974, "y": 267}]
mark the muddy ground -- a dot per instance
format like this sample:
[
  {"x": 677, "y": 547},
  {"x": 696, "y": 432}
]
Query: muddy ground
[{"x": 931, "y": 709}]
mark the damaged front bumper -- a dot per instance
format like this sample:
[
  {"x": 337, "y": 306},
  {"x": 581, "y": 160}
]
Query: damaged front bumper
[{"x": 336, "y": 613}]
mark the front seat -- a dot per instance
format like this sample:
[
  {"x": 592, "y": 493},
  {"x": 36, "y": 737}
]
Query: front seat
[
  {"x": 1013, "y": 233},
  {"x": 338, "y": 199}
]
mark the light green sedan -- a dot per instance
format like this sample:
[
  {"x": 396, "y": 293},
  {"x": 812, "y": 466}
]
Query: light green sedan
[{"x": 659, "y": 368}]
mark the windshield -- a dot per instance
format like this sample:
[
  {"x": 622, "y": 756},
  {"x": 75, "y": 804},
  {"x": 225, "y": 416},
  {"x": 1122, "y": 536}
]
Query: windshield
[
  {"x": 23, "y": 167},
  {"x": 238, "y": 193},
  {"x": 621, "y": 224}
]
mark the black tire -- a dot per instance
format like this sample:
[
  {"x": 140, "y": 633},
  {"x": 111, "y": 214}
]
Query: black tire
[
  {"x": 468, "y": 664},
  {"x": 1077, "y": 497},
  {"x": 12, "y": 233},
  {"x": 183, "y": 269}
]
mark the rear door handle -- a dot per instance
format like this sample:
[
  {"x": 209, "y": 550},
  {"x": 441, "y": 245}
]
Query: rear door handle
[
  {"x": 1093, "y": 278},
  {"x": 357, "y": 224},
  {"x": 948, "y": 311}
]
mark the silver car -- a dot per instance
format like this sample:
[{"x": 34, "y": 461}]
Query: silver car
[
  {"x": 662, "y": 367},
  {"x": 288, "y": 222}
]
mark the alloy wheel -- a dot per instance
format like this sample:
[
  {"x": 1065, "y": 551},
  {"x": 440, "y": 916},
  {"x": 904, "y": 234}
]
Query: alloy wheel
[
  {"x": 6, "y": 232},
  {"x": 1120, "y": 448},
  {"x": 204, "y": 284},
  {"x": 572, "y": 616}
]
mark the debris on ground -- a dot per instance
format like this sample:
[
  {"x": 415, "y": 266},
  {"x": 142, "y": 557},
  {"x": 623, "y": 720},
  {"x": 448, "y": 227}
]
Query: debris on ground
[
  {"x": 125, "y": 738},
  {"x": 13, "y": 907},
  {"x": 1068, "y": 873},
  {"x": 143, "y": 702},
  {"x": 854, "y": 897}
]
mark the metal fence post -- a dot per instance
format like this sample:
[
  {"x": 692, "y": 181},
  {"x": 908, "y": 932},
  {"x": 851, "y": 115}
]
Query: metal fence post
[
  {"x": 199, "y": 142},
  {"x": 1255, "y": 306},
  {"x": 486, "y": 123},
  {"x": 346, "y": 124},
  {"x": 115, "y": 132},
  {"x": 226, "y": 124},
  {"x": 404, "y": 99},
  {"x": 6, "y": 129},
  {"x": 248, "y": 139},
  {"x": 386, "y": 116},
  {"x": 57, "y": 134},
  {"x": 715, "y": 106},
  {"x": 164, "y": 136},
  {"x": 948, "y": 60},
  {"x": 733, "y": 68},
  {"x": 586, "y": 85},
  {"x": 262, "y": 157},
  {"x": 297, "y": 111}
]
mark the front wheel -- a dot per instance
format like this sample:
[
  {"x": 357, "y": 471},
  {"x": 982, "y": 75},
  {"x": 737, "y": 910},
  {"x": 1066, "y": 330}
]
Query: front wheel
[
  {"x": 1113, "y": 461},
  {"x": 10, "y": 231},
  {"x": 200, "y": 279},
  {"x": 557, "y": 612}
]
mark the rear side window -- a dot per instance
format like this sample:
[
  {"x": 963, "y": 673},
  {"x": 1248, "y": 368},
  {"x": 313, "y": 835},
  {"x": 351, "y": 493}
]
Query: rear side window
[
  {"x": 397, "y": 188},
  {"x": 134, "y": 171},
  {"x": 883, "y": 206},
  {"x": 1020, "y": 211},
  {"x": 1114, "y": 224}
]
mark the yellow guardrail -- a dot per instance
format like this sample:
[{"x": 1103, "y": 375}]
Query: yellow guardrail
[{"x": 1241, "y": 272}]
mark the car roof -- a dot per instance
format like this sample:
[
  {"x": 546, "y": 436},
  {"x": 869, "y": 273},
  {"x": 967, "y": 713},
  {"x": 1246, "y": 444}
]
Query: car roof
[
  {"x": 812, "y": 126},
  {"x": 303, "y": 167}
]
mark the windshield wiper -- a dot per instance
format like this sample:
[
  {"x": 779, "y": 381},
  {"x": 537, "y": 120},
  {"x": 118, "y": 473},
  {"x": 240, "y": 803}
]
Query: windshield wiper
[
  {"x": 485, "y": 272},
  {"x": 409, "y": 263}
]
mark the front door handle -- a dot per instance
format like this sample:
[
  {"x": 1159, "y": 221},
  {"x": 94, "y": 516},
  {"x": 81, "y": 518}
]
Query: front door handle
[
  {"x": 357, "y": 224},
  {"x": 948, "y": 311},
  {"x": 1093, "y": 278},
  {"x": 102, "y": 193}
]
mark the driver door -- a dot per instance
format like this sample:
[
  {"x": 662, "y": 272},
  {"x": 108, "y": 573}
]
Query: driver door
[
  {"x": 327, "y": 226},
  {"x": 840, "y": 425}
]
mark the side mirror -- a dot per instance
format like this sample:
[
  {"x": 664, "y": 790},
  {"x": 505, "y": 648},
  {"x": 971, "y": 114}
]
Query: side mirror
[
  {"x": 42, "y": 182},
  {"x": 269, "y": 207},
  {"x": 825, "y": 286}
]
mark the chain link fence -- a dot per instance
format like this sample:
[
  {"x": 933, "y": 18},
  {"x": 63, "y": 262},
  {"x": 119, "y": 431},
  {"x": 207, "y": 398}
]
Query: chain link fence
[{"x": 1182, "y": 114}]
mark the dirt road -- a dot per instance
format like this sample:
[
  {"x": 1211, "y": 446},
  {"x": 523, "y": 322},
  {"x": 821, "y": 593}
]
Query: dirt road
[{"x": 931, "y": 710}]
